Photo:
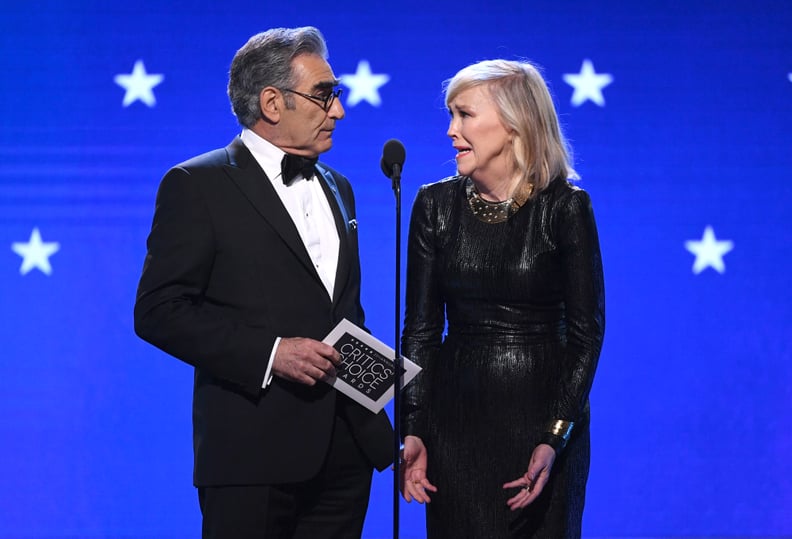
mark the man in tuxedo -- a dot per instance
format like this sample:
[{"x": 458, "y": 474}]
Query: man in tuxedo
[{"x": 252, "y": 260}]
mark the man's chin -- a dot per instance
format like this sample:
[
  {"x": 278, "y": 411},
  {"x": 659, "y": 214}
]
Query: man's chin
[{"x": 325, "y": 145}]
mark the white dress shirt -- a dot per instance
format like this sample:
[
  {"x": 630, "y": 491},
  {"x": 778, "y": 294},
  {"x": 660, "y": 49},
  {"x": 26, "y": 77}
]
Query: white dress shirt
[{"x": 309, "y": 209}]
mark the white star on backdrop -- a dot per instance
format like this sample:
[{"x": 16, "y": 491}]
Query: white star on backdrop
[
  {"x": 588, "y": 84},
  {"x": 789, "y": 76},
  {"x": 709, "y": 251},
  {"x": 35, "y": 253},
  {"x": 139, "y": 85},
  {"x": 364, "y": 85}
]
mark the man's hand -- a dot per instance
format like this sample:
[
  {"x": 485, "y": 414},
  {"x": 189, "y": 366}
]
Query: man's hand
[{"x": 305, "y": 361}]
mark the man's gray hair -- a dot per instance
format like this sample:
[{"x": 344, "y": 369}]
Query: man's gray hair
[{"x": 266, "y": 60}]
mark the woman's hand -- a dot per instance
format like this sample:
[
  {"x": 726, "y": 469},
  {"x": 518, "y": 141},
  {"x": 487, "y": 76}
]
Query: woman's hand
[
  {"x": 534, "y": 480},
  {"x": 413, "y": 481}
]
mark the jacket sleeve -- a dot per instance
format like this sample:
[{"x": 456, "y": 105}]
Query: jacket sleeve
[{"x": 171, "y": 309}]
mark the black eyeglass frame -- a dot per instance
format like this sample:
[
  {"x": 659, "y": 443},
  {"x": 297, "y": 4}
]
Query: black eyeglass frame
[{"x": 324, "y": 102}]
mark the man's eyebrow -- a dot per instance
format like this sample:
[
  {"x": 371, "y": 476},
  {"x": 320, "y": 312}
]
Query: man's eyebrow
[{"x": 326, "y": 84}]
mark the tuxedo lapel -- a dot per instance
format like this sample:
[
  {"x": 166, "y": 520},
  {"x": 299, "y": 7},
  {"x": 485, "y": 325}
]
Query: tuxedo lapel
[
  {"x": 343, "y": 224},
  {"x": 254, "y": 184}
]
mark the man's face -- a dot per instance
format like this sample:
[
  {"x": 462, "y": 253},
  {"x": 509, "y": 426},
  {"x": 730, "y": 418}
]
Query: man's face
[{"x": 307, "y": 129}]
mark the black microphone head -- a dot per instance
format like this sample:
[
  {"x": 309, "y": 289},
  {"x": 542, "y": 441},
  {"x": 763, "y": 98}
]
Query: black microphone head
[{"x": 393, "y": 153}]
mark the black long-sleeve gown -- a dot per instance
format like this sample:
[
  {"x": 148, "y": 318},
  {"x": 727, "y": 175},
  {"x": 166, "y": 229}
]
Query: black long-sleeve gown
[{"x": 524, "y": 302}]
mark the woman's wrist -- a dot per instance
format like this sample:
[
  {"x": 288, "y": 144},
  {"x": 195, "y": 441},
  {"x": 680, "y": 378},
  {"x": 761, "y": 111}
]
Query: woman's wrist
[{"x": 557, "y": 434}]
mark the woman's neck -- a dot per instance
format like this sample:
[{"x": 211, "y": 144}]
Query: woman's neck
[{"x": 496, "y": 190}]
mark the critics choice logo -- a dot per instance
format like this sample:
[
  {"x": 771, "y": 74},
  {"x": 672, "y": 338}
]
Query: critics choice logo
[{"x": 363, "y": 368}]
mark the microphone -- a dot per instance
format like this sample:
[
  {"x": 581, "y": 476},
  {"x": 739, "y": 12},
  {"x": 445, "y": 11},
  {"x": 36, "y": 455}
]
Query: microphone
[{"x": 393, "y": 155}]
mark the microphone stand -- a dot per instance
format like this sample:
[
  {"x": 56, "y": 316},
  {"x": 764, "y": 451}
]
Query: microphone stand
[{"x": 397, "y": 360}]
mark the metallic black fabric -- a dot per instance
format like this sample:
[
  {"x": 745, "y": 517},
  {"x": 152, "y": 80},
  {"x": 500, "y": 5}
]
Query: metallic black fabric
[{"x": 524, "y": 303}]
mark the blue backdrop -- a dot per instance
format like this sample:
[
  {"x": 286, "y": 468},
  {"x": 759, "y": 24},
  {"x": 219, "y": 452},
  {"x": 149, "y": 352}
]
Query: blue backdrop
[{"x": 679, "y": 114}]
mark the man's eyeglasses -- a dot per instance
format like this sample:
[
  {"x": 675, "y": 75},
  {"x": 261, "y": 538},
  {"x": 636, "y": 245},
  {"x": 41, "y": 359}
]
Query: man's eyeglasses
[{"x": 324, "y": 101}]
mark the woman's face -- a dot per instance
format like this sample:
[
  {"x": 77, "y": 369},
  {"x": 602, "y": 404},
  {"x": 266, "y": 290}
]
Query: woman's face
[{"x": 482, "y": 142}]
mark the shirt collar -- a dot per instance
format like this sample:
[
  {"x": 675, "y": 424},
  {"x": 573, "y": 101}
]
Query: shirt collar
[{"x": 266, "y": 154}]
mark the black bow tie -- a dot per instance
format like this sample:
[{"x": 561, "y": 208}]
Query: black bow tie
[{"x": 292, "y": 165}]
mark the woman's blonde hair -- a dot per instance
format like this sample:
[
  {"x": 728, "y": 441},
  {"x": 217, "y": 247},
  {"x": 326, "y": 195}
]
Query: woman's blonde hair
[{"x": 526, "y": 109}]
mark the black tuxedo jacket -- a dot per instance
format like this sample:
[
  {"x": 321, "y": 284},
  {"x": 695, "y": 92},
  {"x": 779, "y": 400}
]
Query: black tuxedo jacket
[{"x": 225, "y": 274}]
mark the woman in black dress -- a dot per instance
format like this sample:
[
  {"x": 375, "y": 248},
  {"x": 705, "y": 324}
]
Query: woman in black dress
[{"x": 506, "y": 254}]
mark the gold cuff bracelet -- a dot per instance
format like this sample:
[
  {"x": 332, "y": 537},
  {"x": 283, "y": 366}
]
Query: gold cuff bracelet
[{"x": 561, "y": 428}]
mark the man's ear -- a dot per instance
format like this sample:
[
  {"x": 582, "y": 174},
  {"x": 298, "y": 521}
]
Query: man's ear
[{"x": 271, "y": 103}]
